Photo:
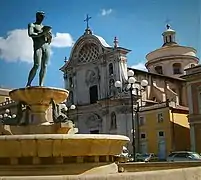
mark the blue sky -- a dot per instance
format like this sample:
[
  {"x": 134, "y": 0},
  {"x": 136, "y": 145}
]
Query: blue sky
[{"x": 138, "y": 24}]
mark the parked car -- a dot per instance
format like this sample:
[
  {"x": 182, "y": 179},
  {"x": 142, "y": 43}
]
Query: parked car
[
  {"x": 148, "y": 157},
  {"x": 183, "y": 156},
  {"x": 131, "y": 157}
]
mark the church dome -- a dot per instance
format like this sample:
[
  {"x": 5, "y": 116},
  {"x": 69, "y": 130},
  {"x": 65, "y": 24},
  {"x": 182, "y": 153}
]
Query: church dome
[{"x": 165, "y": 59}]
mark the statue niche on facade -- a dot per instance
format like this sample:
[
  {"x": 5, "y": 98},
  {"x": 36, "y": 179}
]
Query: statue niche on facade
[{"x": 41, "y": 36}]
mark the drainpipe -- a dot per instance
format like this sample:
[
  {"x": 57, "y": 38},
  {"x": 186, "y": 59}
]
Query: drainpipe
[{"x": 137, "y": 128}]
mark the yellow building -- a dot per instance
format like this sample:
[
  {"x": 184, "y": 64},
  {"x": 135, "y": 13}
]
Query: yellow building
[
  {"x": 4, "y": 95},
  {"x": 163, "y": 128}
]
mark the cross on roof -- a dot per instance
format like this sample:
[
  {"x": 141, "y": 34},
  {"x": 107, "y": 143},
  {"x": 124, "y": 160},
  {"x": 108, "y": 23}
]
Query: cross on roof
[
  {"x": 87, "y": 21},
  {"x": 167, "y": 23},
  {"x": 65, "y": 59}
]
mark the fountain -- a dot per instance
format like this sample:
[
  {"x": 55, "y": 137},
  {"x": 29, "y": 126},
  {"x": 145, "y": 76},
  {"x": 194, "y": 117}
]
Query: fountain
[{"x": 40, "y": 148}]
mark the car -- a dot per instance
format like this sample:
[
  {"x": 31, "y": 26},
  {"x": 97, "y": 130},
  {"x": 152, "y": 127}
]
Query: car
[
  {"x": 131, "y": 157},
  {"x": 183, "y": 156},
  {"x": 147, "y": 157}
]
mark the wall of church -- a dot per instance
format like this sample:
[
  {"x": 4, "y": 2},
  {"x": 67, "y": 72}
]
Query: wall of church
[{"x": 167, "y": 65}]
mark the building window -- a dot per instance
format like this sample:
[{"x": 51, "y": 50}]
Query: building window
[
  {"x": 143, "y": 136},
  {"x": 161, "y": 134},
  {"x": 141, "y": 120},
  {"x": 70, "y": 82},
  {"x": 111, "y": 69},
  {"x": 176, "y": 68},
  {"x": 166, "y": 39},
  {"x": 160, "y": 117},
  {"x": 93, "y": 91},
  {"x": 170, "y": 37},
  {"x": 159, "y": 69},
  {"x": 71, "y": 99},
  {"x": 113, "y": 124}
]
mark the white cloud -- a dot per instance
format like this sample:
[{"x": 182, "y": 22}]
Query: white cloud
[
  {"x": 105, "y": 12},
  {"x": 139, "y": 66},
  {"x": 17, "y": 46},
  {"x": 62, "y": 40}
]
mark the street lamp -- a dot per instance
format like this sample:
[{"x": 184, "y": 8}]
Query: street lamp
[
  {"x": 133, "y": 87},
  {"x": 6, "y": 116},
  {"x": 65, "y": 108}
]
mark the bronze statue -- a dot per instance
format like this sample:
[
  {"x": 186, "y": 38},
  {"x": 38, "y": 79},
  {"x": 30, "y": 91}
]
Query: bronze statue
[
  {"x": 41, "y": 36},
  {"x": 58, "y": 117}
]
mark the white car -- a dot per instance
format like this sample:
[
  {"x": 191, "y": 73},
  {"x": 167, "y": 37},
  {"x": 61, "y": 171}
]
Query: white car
[{"x": 183, "y": 156}]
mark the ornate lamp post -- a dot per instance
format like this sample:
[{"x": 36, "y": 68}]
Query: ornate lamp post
[
  {"x": 7, "y": 116},
  {"x": 66, "y": 109},
  {"x": 133, "y": 87}
]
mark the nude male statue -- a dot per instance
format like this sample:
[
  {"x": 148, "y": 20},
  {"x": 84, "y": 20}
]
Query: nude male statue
[{"x": 41, "y": 36}]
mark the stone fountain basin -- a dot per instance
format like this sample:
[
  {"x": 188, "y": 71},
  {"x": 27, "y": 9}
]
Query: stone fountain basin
[
  {"x": 35, "y": 95},
  {"x": 38, "y": 99},
  {"x": 60, "y": 145}
]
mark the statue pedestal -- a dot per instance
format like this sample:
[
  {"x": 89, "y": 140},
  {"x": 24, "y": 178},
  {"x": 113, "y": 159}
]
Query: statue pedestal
[
  {"x": 38, "y": 113},
  {"x": 38, "y": 99}
]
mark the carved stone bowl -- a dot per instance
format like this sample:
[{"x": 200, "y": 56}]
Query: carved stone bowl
[{"x": 38, "y": 99}]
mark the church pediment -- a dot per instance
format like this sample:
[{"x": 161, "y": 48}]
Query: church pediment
[{"x": 88, "y": 48}]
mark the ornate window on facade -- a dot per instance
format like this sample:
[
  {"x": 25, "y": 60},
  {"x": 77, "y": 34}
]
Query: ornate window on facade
[
  {"x": 93, "y": 92},
  {"x": 88, "y": 53},
  {"x": 113, "y": 124},
  {"x": 71, "y": 100},
  {"x": 159, "y": 69},
  {"x": 70, "y": 82},
  {"x": 111, "y": 72},
  {"x": 176, "y": 68}
]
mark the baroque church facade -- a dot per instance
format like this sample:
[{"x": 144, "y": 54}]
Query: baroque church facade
[{"x": 93, "y": 68}]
